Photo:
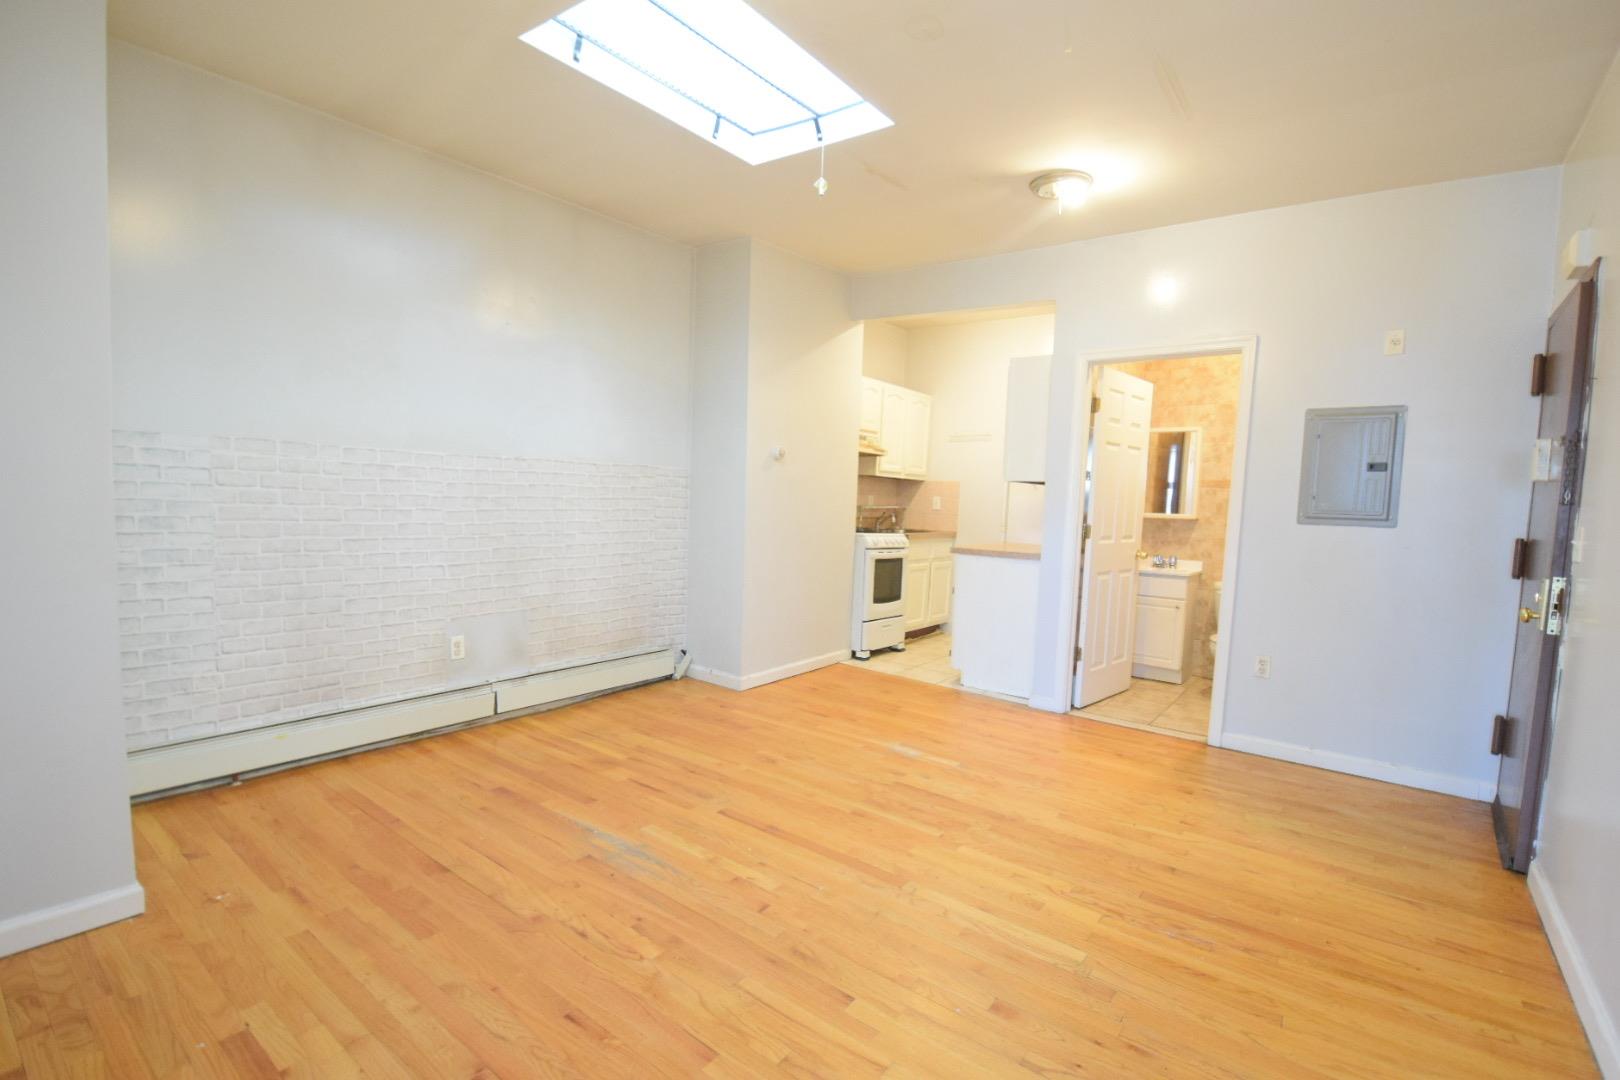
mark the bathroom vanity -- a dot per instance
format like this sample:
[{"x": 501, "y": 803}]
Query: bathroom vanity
[{"x": 1164, "y": 623}]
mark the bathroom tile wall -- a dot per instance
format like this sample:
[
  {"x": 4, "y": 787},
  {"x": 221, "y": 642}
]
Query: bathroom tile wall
[{"x": 1201, "y": 393}]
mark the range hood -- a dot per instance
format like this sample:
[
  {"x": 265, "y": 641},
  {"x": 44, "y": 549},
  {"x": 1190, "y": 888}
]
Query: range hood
[{"x": 868, "y": 448}]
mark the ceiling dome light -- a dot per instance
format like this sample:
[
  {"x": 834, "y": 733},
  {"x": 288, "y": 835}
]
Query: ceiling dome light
[{"x": 1068, "y": 186}]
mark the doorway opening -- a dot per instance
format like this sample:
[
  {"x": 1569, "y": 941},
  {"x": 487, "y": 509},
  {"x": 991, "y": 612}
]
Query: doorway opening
[{"x": 1160, "y": 509}]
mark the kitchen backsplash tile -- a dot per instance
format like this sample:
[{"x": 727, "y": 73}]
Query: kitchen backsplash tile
[{"x": 915, "y": 498}]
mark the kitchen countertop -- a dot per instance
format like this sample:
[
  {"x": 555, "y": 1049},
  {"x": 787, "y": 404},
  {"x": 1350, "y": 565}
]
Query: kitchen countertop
[
  {"x": 929, "y": 534},
  {"x": 1000, "y": 551}
]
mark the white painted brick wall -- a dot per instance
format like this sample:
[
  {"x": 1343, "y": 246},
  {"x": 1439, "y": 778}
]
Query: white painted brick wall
[{"x": 262, "y": 581}]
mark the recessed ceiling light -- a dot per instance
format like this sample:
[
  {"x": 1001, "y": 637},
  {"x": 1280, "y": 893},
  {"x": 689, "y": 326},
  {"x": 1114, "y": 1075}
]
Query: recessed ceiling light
[
  {"x": 1068, "y": 186},
  {"x": 717, "y": 68}
]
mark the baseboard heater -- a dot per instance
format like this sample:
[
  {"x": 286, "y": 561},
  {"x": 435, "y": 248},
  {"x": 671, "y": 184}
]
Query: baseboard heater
[{"x": 164, "y": 769}]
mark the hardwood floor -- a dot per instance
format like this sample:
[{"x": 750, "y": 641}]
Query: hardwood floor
[{"x": 845, "y": 874}]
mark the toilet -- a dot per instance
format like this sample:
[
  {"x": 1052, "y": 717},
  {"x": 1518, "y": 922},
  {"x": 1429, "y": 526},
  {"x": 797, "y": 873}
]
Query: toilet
[{"x": 1215, "y": 638}]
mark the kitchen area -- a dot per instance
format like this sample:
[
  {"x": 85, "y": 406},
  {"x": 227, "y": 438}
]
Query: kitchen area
[
  {"x": 931, "y": 479},
  {"x": 951, "y": 465}
]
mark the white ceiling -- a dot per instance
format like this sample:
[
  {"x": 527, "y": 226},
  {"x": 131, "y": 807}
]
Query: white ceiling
[{"x": 1184, "y": 109}]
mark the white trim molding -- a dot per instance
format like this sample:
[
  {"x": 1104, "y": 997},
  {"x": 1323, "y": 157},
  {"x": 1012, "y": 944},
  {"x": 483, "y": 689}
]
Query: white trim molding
[
  {"x": 1596, "y": 1017},
  {"x": 1446, "y": 783},
  {"x": 1053, "y": 677},
  {"x": 62, "y": 920},
  {"x": 731, "y": 681}
]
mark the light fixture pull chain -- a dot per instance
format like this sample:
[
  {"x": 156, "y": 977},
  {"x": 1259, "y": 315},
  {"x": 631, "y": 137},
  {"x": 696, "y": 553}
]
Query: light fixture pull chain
[{"x": 821, "y": 181}]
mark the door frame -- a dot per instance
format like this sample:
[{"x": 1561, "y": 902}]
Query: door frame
[{"x": 1070, "y": 554}]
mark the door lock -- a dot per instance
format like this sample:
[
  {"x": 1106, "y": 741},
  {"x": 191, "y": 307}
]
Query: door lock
[{"x": 1557, "y": 595}]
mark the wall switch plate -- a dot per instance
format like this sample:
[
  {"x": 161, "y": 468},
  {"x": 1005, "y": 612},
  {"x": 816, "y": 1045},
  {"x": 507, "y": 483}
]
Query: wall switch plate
[
  {"x": 1262, "y": 667},
  {"x": 1394, "y": 342},
  {"x": 458, "y": 647},
  {"x": 938, "y": 503}
]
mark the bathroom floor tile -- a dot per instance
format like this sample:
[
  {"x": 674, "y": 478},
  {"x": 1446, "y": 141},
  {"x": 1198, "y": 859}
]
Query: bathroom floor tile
[{"x": 1168, "y": 708}]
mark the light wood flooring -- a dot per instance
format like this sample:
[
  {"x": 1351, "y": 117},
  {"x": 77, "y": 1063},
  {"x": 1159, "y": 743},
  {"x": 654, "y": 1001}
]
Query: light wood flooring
[{"x": 845, "y": 874}]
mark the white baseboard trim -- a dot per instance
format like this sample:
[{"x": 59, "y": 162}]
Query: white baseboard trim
[
  {"x": 164, "y": 768},
  {"x": 714, "y": 677},
  {"x": 759, "y": 678},
  {"x": 72, "y": 917},
  {"x": 1599, "y": 1021},
  {"x": 1445, "y": 783}
]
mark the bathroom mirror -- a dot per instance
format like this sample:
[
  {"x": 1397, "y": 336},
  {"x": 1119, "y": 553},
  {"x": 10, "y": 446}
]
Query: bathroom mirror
[{"x": 1172, "y": 484}]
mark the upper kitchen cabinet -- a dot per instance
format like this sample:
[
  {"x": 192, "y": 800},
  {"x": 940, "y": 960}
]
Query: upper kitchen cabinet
[
  {"x": 901, "y": 427},
  {"x": 871, "y": 407},
  {"x": 1028, "y": 387},
  {"x": 919, "y": 411}
]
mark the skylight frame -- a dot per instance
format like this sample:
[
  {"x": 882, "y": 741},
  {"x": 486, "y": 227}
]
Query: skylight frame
[{"x": 731, "y": 51}]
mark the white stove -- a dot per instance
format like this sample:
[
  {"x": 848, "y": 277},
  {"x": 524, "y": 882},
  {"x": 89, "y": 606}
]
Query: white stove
[{"x": 878, "y": 615}]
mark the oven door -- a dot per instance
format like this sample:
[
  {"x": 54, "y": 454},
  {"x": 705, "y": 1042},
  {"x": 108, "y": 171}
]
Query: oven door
[{"x": 885, "y": 584}]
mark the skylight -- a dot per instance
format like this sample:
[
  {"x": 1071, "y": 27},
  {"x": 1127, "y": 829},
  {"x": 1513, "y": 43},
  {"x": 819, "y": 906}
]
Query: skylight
[{"x": 715, "y": 67}]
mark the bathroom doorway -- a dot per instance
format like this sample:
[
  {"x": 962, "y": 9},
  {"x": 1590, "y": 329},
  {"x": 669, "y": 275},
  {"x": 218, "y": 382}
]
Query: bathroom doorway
[{"x": 1163, "y": 475}]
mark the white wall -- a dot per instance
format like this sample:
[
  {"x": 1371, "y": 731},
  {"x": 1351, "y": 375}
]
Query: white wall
[
  {"x": 367, "y": 398},
  {"x": 963, "y": 367},
  {"x": 885, "y": 350},
  {"x": 280, "y": 272},
  {"x": 1389, "y": 647},
  {"x": 64, "y": 817},
  {"x": 716, "y": 578},
  {"x": 804, "y": 398},
  {"x": 772, "y": 554},
  {"x": 1576, "y": 874}
]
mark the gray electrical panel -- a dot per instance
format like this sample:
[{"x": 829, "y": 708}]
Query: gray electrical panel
[{"x": 1351, "y": 469}]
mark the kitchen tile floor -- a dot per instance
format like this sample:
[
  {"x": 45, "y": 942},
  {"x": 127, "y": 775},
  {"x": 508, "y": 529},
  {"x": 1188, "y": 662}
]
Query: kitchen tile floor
[
  {"x": 1182, "y": 711},
  {"x": 926, "y": 659}
]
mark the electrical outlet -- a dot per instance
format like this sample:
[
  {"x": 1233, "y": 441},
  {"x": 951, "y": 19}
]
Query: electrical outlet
[
  {"x": 1394, "y": 342},
  {"x": 1262, "y": 667},
  {"x": 938, "y": 503},
  {"x": 458, "y": 647}
]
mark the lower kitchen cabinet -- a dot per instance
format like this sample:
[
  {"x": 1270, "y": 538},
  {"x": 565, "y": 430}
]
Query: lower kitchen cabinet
[{"x": 929, "y": 569}]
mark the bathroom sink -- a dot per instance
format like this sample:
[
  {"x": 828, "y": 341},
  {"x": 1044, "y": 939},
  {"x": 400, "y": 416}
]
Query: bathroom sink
[{"x": 1186, "y": 568}]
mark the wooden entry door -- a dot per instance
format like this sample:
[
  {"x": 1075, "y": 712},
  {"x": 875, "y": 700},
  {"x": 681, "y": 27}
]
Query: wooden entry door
[
  {"x": 1122, "y": 414},
  {"x": 1541, "y": 561}
]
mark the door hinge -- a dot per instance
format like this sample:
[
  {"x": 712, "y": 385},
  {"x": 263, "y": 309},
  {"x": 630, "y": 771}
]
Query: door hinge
[
  {"x": 1500, "y": 728},
  {"x": 1085, "y": 533},
  {"x": 1538, "y": 375},
  {"x": 1557, "y": 593},
  {"x": 1077, "y": 652},
  {"x": 1096, "y": 404},
  {"x": 1521, "y": 551}
]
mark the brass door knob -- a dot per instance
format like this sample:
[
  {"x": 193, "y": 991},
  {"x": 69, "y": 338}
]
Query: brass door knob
[{"x": 1528, "y": 614}]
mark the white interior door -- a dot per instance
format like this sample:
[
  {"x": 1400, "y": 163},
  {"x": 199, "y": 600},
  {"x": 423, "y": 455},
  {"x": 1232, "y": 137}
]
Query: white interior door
[{"x": 1119, "y": 443}]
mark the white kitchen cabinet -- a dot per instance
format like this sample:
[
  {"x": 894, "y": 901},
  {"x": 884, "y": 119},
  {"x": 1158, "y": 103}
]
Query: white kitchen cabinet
[
  {"x": 1024, "y": 448},
  {"x": 917, "y": 571},
  {"x": 893, "y": 434},
  {"x": 1163, "y": 644},
  {"x": 929, "y": 573},
  {"x": 902, "y": 427},
  {"x": 919, "y": 409},
  {"x": 871, "y": 407},
  {"x": 939, "y": 589}
]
